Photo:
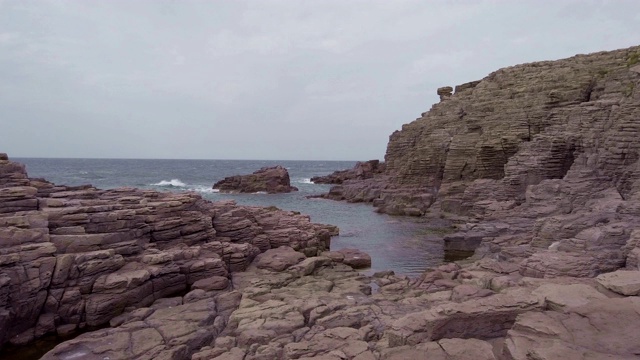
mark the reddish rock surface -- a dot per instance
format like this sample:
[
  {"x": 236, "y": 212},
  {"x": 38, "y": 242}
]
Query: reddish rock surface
[
  {"x": 537, "y": 164},
  {"x": 78, "y": 256},
  {"x": 271, "y": 180},
  {"x": 361, "y": 171}
]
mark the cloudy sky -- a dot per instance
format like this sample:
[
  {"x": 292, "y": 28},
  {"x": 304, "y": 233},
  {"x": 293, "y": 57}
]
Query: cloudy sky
[{"x": 262, "y": 79}]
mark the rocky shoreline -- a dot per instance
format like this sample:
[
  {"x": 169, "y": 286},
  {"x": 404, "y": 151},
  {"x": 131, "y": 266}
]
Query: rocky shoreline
[{"x": 537, "y": 164}]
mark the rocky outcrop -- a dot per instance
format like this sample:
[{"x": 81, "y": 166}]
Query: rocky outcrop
[
  {"x": 520, "y": 126},
  {"x": 538, "y": 163},
  {"x": 271, "y": 180},
  {"x": 75, "y": 257},
  {"x": 289, "y": 307},
  {"x": 360, "y": 171}
]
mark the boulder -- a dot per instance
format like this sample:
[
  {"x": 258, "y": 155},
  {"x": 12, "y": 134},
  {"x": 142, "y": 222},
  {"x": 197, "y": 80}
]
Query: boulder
[
  {"x": 355, "y": 258},
  {"x": 278, "y": 259},
  {"x": 622, "y": 282},
  {"x": 271, "y": 180}
]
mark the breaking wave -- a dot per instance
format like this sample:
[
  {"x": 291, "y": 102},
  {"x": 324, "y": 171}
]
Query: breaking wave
[
  {"x": 204, "y": 189},
  {"x": 170, "y": 183},
  {"x": 305, "y": 181}
]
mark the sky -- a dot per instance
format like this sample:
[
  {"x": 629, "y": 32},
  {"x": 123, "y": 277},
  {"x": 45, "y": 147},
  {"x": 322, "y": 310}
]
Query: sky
[{"x": 262, "y": 79}]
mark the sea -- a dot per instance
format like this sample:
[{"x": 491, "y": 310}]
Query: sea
[{"x": 405, "y": 245}]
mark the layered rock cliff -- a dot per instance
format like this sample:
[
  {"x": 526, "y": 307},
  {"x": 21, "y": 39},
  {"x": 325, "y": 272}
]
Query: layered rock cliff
[
  {"x": 540, "y": 160},
  {"x": 493, "y": 138}
]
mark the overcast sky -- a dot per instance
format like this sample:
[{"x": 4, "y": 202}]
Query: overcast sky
[{"x": 308, "y": 80}]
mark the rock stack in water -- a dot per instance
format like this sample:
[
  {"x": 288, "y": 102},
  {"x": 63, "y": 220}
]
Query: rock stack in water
[{"x": 271, "y": 180}]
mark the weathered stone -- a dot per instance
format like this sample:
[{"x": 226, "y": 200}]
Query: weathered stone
[
  {"x": 621, "y": 281},
  {"x": 355, "y": 258},
  {"x": 268, "y": 179},
  {"x": 557, "y": 297},
  {"x": 600, "y": 329},
  {"x": 278, "y": 259},
  {"x": 211, "y": 283}
]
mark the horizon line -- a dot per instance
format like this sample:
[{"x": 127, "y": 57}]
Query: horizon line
[{"x": 205, "y": 159}]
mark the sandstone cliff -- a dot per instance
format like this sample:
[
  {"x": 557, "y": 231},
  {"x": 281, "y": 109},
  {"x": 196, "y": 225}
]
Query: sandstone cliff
[
  {"x": 520, "y": 125},
  {"x": 540, "y": 159}
]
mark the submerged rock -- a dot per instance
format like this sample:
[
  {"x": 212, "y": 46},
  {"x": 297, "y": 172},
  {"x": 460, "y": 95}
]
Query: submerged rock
[{"x": 271, "y": 180}]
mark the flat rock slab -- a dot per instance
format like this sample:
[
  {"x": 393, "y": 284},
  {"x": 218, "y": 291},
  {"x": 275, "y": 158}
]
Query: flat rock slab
[
  {"x": 601, "y": 329},
  {"x": 278, "y": 259},
  {"x": 558, "y": 296},
  {"x": 211, "y": 283},
  {"x": 621, "y": 281}
]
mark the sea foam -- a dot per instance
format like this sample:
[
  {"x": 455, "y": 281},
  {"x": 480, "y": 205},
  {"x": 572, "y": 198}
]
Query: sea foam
[
  {"x": 204, "y": 189},
  {"x": 172, "y": 182}
]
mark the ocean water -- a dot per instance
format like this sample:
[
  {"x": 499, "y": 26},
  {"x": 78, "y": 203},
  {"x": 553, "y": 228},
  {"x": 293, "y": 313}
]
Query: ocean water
[{"x": 405, "y": 245}]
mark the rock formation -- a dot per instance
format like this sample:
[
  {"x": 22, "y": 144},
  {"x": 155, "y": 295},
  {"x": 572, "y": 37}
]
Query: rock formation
[
  {"x": 521, "y": 126},
  {"x": 73, "y": 257},
  {"x": 536, "y": 164},
  {"x": 286, "y": 306},
  {"x": 361, "y": 171},
  {"x": 271, "y": 180}
]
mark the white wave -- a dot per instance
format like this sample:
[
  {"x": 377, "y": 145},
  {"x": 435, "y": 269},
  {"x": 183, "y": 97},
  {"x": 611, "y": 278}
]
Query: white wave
[
  {"x": 204, "y": 189},
  {"x": 305, "y": 181},
  {"x": 172, "y": 182}
]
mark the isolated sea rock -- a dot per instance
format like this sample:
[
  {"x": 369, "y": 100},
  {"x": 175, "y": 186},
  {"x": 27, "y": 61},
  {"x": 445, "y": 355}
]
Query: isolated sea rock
[{"x": 271, "y": 180}]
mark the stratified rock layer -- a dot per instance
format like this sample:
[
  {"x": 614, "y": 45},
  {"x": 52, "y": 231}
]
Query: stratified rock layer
[
  {"x": 517, "y": 127},
  {"x": 271, "y": 180},
  {"x": 540, "y": 163},
  {"x": 72, "y": 257},
  {"x": 360, "y": 171}
]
